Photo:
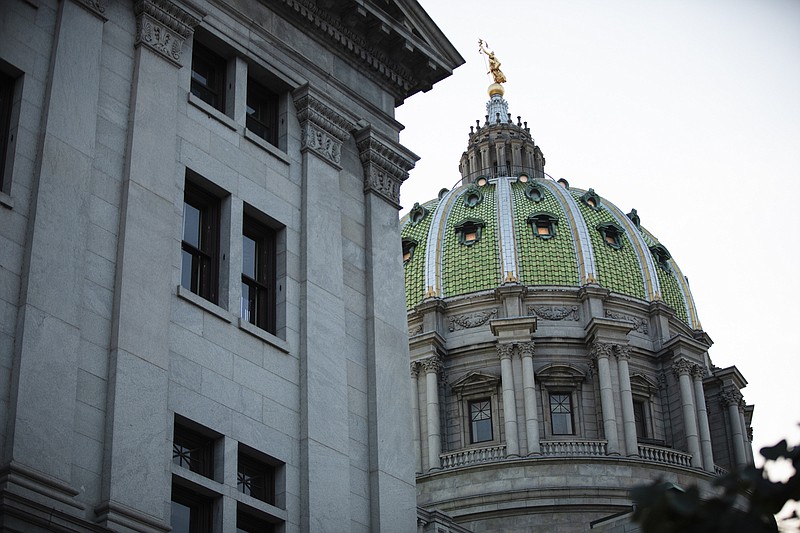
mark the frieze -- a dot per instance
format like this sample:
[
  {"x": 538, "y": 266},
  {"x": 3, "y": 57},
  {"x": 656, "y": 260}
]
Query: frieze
[
  {"x": 322, "y": 129},
  {"x": 639, "y": 324},
  {"x": 471, "y": 320},
  {"x": 163, "y": 27},
  {"x": 554, "y": 313}
]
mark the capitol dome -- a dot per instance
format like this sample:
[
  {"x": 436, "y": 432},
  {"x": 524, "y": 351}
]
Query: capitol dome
[{"x": 556, "y": 355}]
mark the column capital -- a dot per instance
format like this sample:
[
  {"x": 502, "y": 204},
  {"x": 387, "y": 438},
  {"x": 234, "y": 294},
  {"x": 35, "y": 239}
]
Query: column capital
[
  {"x": 526, "y": 349},
  {"x": 504, "y": 351},
  {"x": 622, "y": 352},
  {"x": 601, "y": 350},
  {"x": 163, "y": 27},
  {"x": 730, "y": 397},
  {"x": 432, "y": 365},
  {"x": 414, "y": 366},
  {"x": 682, "y": 367},
  {"x": 386, "y": 165},
  {"x": 323, "y": 129},
  {"x": 698, "y": 372}
]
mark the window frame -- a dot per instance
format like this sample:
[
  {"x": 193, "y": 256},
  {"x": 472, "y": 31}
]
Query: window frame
[
  {"x": 472, "y": 421},
  {"x": 570, "y": 412},
  {"x": 212, "y": 93},
  {"x": 543, "y": 220},
  {"x": 467, "y": 227},
  {"x": 187, "y": 436},
  {"x": 261, "y": 310},
  {"x": 612, "y": 234},
  {"x": 409, "y": 246},
  {"x": 268, "y": 102},
  {"x": 559, "y": 378},
  {"x": 201, "y": 508},
  {"x": 8, "y": 84},
  {"x": 252, "y": 463},
  {"x": 204, "y": 266}
]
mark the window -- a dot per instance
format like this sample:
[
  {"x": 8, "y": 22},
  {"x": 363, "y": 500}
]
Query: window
[
  {"x": 191, "y": 512},
  {"x": 200, "y": 246},
  {"x": 480, "y": 416},
  {"x": 6, "y": 101},
  {"x": 543, "y": 225},
  {"x": 640, "y": 418},
  {"x": 612, "y": 234},
  {"x": 193, "y": 450},
  {"x": 473, "y": 196},
  {"x": 469, "y": 231},
  {"x": 409, "y": 245},
  {"x": 661, "y": 255},
  {"x": 561, "y": 413},
  {"x": 208, "y": 76},
  {"x": 258, "y": 274},
  {"x": 247, "y": 523},
  {"x": 262, "y": 112},
  {"x": 255, "y": 476},
  {"x": 534, "y": 192},
  {"x": 591, "y": 199}
]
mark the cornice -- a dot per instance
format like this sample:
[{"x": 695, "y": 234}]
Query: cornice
[
  {"x": 386, "y": 165},
  {"x": 163, "y": 27}
]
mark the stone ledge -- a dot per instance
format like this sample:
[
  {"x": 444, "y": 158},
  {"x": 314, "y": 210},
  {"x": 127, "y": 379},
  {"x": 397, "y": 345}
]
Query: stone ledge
[
  {"x": 268, "y": 147},
  {"x": 204, "y": 304},
  {"x": 265, "y": 336},
  {"x": 214, "y": 113}
]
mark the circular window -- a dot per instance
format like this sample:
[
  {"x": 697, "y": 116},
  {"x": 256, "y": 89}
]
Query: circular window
[
  {"x": 523, "y": 178},
  {"x": 482, "y": 182},
  {"x": 472, "y": 200}
]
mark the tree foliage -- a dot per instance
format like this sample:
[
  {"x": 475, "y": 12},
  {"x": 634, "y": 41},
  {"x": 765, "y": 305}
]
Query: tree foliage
[{"x": 746, "y": 501}]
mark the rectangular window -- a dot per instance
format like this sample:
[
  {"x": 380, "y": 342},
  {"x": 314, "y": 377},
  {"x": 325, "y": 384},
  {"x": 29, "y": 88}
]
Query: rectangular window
[
  {"x": 191, "y": 512},
  {"x": 561, "y": 413},
  {"x": 480, "y": 416},
  {"x": 6, "y": 101},
  {"x": 208, "y": 76},
  {"x": 200, "y": 246},
  {"x": 258, "y": 274},
  {"x": 262, "y": 111},
  {"x": 193, "y": 450},
  {"x": 255, "y": 477},
  {"x": 247, "y": 523},
  {"x": 640, "y": 418}
]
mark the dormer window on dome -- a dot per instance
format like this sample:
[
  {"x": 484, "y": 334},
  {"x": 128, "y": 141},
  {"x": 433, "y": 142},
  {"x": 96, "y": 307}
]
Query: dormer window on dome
[
  {"x": 469, "y": 231},
  {"x": 564, "y": 183},
  {"x": 612, "y": 234},
  {"x": 472, "y": 196},
  {"x": 417, "y": 214},
  {"x": 534, "y": 192},
  {"x": 661, "y": 255},
  {"x": 409, "y": 245},
  {"x": 634, "y": 217},
  {"x": 591, "y": 199},
  {"x": 543, "y": 225}
]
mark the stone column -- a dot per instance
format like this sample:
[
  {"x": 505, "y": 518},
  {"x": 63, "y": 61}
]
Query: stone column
[
  {"x": 504, "y": 351},
  {"x": 730, "y": 400},
  {"x": 682, "y": 367},
  {"x": 149, "y": 235},
  {"x": 324, "y": 418},
  {"x": 392, "y": 481},
  {"x": 432, "y": 367},
  {"x": 623, "y": 354},
  {"x": 748, "y": 452},
  {"x": 526, "y": 351},
  {"x": 415, "y": 415},
  {"x": 601, "y": 352},
  {"x": 698, "y": 372}
]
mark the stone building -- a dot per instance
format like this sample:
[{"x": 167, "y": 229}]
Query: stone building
[
  {"x": 201, "y": 299},
  {"x": 556, "y": 353}
]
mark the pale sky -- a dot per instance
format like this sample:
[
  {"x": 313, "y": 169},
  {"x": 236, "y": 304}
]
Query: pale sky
[{"x": 688, "y": 111}]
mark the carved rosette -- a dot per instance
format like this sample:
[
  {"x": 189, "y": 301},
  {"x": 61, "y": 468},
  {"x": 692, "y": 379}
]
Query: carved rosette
[
  {"x": 471, "y": 320},
  {"x": 554, "y": 313},
  {"x": 163, "y": 27},
  {"x": 385, "y": 167},
  {"x": 432, "y": 365},
  {"x": 682, "y": 366},
  {"x": 601, "y": 350},
  {"x": 526, "y": 349},
  {"x": 730, "y": 397},
  {"x": 504, "y": 351},
  {"x": 622, "y": 352},
  {"x": 323, "y": 130},
  {"x": 698, "y": 372}
]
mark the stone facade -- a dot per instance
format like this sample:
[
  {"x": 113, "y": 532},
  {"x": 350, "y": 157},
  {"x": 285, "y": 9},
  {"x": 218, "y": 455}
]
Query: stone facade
[{"x": 120, "y": 359}]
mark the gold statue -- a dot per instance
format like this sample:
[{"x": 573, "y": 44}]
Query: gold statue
[{"x": 494, "y": 64}]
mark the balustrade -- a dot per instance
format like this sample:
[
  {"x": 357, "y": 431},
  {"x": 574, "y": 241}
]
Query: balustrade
[{"x": 666, "y": 456}]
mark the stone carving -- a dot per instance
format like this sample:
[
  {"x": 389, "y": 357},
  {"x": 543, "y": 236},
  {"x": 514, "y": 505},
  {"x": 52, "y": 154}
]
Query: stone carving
[
  {"x": 504, "y": 351},
  {"x": 682, "y": 366},
  {"x": 98, "y": 7},
  {"x": 322, "y": 129},
  {"x": 471, "y": 320},
  {"x": 698, "y": 372},
  {"x": 554, "y": 313},
  {"x": 662, "y": 381},
  {"x": 385, "y": 167},
  {"x": 163, "y": 27},
  {"x": 622, "y": 352},
  {"x": 432, "y": 364},
  {"x": 601, "y": 349},
  {"x": 639, "y": 324},
  {"x": 414, "y": 369},
  {"x": 526, "y": 349},
  {"x": 730, "y": 397},
  {"x": 416, "y": 330}
]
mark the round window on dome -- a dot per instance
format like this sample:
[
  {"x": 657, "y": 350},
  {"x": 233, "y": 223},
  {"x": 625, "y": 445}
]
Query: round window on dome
[
  {"x": 534, "y": 192},
  {"x": 417, "y": 214},
  {"x": 472, "y": 196},
  {"x": 482, "y": 182},
  {"x": 523, "y": 178}
]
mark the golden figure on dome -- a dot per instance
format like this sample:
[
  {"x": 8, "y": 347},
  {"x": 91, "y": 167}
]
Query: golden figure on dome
[{"x": 494, "y": 63}]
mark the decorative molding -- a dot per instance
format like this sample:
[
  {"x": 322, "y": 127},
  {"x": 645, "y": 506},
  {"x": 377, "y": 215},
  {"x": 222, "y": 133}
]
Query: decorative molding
[
  {"x": 682, "y": 366},
  {"x": 554, "y": 313},
  {"x": 414, "y": 367},
  {"x": 504, "y": 351},
  {"x": 323, "y": 130},
  {"x": 639, "y": 324},
  {"x": 526, "y": 349},
  {"x": 622, "y": 352},
  {"x": 385, "y": 167},
  {"x": 432, "y": 364},
  {"x": 698, "y": 372},
  {"x": 416, "y": 330},
  {"x": 95, "y": 7},
  {"x": 163, "y": 27},
  {"x": 730, "y": 397},
  {"x": 471, "y": 320},
  {"x": 600, "y": 350}
]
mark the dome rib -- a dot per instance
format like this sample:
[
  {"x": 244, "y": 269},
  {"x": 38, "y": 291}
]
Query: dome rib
[
  {"x": 434, "y": 248},
  {"x": 505, "y": 225}
]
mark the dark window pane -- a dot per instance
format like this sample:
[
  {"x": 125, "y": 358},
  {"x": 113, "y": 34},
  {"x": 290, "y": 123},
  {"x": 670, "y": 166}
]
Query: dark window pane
[
  {"x": 262, "y": 112},
  {"x": 181, "y": 517},
  {"x": 561, "y": 414},
  {"x": 258, "y": 274},
  {"x": 480, "y": 413},
  {"x": 640, "y": 420},
  {"x": 255, "y": 478},
  {"x": 187, "y": 261},
  {"x": 193, "y": 451},
  {"x": 6, "y": 100},
  {"x": 200, "y": 237},
  {"x": 208, "y": 76}
]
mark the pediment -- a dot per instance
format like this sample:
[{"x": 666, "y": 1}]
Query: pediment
[{"x": 476, "y": 381}]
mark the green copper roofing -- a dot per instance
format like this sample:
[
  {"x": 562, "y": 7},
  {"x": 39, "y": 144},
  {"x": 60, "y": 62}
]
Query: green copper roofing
[
  {"x": 618, "y": 269},
  {"x": 543, "y": 261},
  {"x": 471, "y": 268},
  {"x": 415, "y": 269},
  {"x": 671, "y": 292}
]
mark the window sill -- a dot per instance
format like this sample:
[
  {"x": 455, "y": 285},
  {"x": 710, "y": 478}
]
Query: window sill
[
  {"x": 272, "y": 149},
  {"x": 270, "y": 511},
  {"x": 214, "y": 113},
  {"x": 197, "y": 482},
  {"x": 6, "y": 200},
  {"x": 204, "y": 304},
  {"x": 265, "y": 336}
]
